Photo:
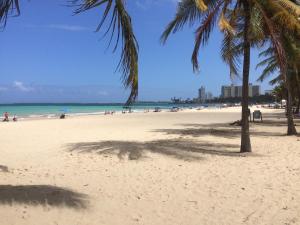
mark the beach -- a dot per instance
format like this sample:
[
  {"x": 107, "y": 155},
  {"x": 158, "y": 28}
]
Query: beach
[{"x": 166, "y": 168}]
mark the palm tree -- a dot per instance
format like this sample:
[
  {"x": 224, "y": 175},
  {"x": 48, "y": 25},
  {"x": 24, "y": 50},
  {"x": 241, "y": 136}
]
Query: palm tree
[
  {"x": 280, "y": 92},
  {"x": 244, "y": 23},
  {"x": 289, "y": 78},
  {"x": 119, "y": 25}
]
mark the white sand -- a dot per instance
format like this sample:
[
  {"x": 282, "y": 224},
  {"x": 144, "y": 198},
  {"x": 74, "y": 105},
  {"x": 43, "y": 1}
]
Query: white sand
[{"x": 185, "y": 171}]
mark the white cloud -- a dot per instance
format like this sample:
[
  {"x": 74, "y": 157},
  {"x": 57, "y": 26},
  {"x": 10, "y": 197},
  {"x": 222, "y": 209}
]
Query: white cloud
[
  {"x": 63, "y": 27},
  {"x": 20, "y": 86},
  {"x": 102, "y": 93},
  {"x": 66, "y": 27}
]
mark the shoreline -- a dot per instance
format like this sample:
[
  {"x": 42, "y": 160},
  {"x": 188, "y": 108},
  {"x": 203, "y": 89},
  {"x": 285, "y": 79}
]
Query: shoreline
[{"x": 199, "y": 109}]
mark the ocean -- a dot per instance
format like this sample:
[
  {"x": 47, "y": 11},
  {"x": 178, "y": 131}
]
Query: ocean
[{"x": 53, "y": 110}]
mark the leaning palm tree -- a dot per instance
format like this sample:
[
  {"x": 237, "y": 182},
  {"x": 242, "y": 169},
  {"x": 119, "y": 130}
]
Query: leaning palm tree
[{"x": 244, "y": 23}]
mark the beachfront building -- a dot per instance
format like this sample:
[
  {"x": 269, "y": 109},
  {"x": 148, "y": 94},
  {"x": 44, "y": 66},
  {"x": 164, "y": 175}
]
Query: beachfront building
[
  {"x": 255, "y": 90},
  {"x": 226, "y": 91},
  {"x": 209, "y": 96},
  {"x": 201, "y": 94},
  {"x": 268, "y": 92},
  {"x": 234, "y": 91}
]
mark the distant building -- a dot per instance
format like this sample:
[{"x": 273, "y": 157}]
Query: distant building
[
  {"x": 233, "y": 91},
  {"x": 238, "y": 91},
  {"x": 201, "y": 94},
  {"x": 209, "y": 96},
  {"x": 226, "y": 91},
  {"x": 255, "y": 90},
  {"x": 229, "y": 91},
  {"x": 268, "y": 92}
]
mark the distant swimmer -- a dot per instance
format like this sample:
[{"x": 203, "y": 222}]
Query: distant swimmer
[{"x": 5, "y": 117}]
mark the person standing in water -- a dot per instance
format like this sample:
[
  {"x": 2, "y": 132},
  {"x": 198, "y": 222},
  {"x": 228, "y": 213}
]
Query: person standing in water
[{"x": 6, "y": 117}]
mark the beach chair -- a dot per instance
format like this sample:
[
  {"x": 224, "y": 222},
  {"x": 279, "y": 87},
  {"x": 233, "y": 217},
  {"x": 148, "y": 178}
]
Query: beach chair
[
  {"x": 174, "y": 109},
  {"x": 257, "y": 115}
]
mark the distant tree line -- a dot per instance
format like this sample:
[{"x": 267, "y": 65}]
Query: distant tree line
[{"x": 261, "y": 99}]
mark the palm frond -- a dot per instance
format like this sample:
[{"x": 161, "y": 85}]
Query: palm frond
[
  {"x": 187, "y": 13},
  {"x": 290, "y": 6},
  {"x": 201, "y": 5},
  {"x": 274, "y": 34},
  {"x": 282, "y": 16},
  {"x": 129, "y": 56},
  {"x": 268, "y": 70},
  {"x": 203, "y": 31},
  {"x": 121, "y": 26},
  {"x": 276, "y": 80},
  {"x": 7, "y": 8},
  {"x": 231, "y": 45},
  {"x": 231, "y": 54}
]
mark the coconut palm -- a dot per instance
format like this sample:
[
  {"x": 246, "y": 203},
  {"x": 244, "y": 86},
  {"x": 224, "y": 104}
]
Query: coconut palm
[
  {"x": 280, "y": 92},
  {"x": 290, "y": 78},
  {"x": 244, "y": 23}
]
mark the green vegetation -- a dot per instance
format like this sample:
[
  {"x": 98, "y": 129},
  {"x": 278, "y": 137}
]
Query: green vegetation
[{"x": 261, "y": 99}]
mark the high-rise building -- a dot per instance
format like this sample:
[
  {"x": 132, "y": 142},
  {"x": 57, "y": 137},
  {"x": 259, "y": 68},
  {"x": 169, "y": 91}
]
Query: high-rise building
[
  {"x": 255, "y": 90},
  {"x": 226, "y": 91},
  {"x": 236, "y": 91},
  {"x": 250, "y": 91},
  {"x": 201, "y": 94},
  {"x": 209, "y": 96}
]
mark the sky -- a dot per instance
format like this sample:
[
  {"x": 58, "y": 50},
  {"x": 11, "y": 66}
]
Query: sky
[{"x": 47, "y": 54}]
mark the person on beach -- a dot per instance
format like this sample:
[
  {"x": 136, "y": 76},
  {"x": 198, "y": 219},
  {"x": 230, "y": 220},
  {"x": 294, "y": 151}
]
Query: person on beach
[
  {"x": 15, "y": 119},
  {"x": 6, "y": 117}
]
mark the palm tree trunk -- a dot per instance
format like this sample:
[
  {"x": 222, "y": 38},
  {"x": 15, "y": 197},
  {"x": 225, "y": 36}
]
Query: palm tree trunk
[
  {"x": 245, "y": 135},
  {"x": 298, "y": 105},
  {"x": 298, "y": 93},
  {"x": 290, "y": 122}
]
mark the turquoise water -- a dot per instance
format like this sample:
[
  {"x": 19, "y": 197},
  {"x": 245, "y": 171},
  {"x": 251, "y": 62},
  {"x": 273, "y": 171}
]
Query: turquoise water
[{"x": 32, "y": 110}]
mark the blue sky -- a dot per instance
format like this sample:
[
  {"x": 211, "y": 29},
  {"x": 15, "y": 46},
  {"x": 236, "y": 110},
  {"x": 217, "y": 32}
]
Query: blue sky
[{"x": 49, "y": 55}]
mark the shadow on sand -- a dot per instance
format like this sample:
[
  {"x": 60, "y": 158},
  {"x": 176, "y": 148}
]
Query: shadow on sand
[
  {"x": 218, "y": 130},
  {"x": 42, "y": 195},
  {"x": 177, "y": 148},
  {"x": 224, "y": 130}
]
